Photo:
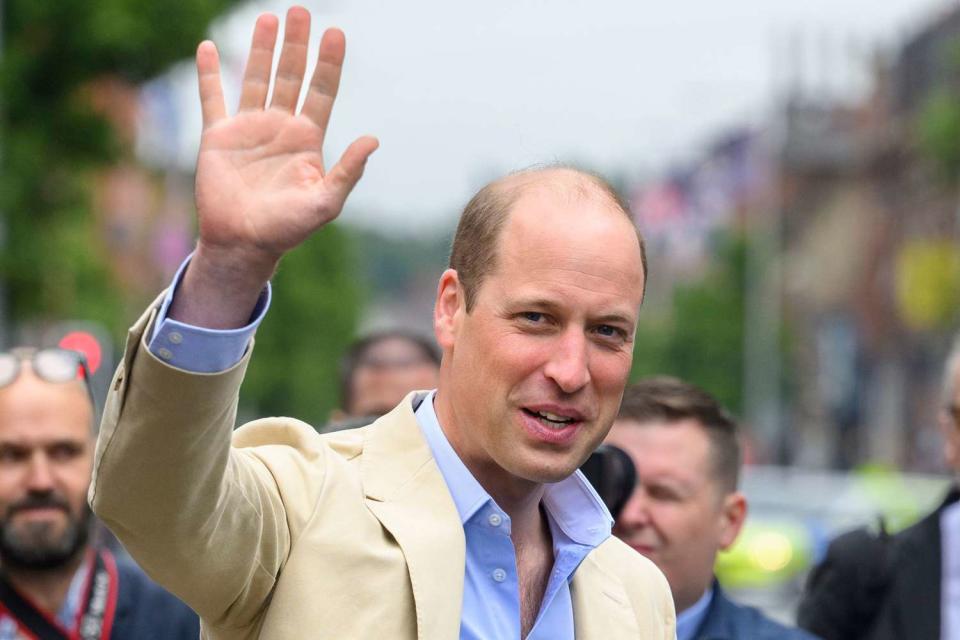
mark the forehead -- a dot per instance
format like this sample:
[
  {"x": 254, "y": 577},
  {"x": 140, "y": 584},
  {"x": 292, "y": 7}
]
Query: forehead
[
  {"x": 680, "y": 448},
  {"x": 575, "y": 237},
  {"x": 32, "y": 409}
]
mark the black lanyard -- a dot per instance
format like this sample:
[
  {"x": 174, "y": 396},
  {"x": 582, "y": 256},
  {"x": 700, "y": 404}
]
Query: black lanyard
[{"x": 94, "y": 619}]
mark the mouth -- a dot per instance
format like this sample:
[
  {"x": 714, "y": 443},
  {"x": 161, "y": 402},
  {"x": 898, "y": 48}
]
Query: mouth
[
  {"x": 555, "y": 425},
  {"x": 644, "y": 549},
  {"x": 38, "y": 513}
]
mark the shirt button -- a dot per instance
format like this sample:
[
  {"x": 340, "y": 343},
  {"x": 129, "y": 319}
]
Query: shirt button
[
  {"x": 175, "y": 337},
  {"x": 166, "y": 354},
  {"x": 499, "y": 575},
  {"x": 495, "y": 519}
]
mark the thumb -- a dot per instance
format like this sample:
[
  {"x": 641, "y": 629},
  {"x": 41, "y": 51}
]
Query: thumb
[{"x": 344, "y": 175}]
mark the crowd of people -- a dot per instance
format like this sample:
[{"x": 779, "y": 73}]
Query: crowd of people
[{"x": 444, "y": 498}]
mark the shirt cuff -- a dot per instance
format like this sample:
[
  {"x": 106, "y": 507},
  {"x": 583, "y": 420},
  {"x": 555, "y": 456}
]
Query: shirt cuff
[{"x": 199, "y": 349}]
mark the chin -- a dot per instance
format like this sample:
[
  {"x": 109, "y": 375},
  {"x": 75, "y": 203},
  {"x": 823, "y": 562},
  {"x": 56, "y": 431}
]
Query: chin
[{"x": 537, "y": 471}]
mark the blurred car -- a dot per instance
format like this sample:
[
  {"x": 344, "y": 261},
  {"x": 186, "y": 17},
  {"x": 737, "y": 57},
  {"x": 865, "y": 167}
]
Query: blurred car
[{"x": 795, "y": 513}]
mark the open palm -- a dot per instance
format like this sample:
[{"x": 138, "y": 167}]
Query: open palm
[{"x": 261, "y": 184}]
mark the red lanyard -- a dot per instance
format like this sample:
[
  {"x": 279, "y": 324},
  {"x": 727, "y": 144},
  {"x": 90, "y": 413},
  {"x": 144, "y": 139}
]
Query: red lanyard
[{"x": 94, "y": 619}]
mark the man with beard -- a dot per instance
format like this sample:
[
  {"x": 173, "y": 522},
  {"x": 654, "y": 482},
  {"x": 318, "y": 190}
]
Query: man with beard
[{"x": 54, "y": 582}]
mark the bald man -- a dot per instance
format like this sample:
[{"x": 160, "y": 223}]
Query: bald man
[
  {"x": 55, "y": 581},
  {"x": 458, "y": 514}
]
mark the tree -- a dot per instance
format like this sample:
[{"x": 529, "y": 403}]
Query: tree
[
  {"x": 53, "y": 139},
  {"x": 700, "y": 338},
  {"x": 315, "y": 309}
]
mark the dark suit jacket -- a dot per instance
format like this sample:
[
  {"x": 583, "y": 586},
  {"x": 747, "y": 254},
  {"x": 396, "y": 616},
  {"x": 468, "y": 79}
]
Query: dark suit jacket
[
  {"x": 728, "y": 621},
  {"x": 870, "y": 589},
  {"x": 147, "y": 612}
]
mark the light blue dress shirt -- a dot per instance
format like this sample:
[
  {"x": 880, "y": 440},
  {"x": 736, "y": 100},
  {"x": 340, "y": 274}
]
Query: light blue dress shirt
[
  {"x": 578, "y": 521},
  {"x": 200, "y": 350},
  {"x": 577, "y": 517},
  {"x": 689, "y": 620}
]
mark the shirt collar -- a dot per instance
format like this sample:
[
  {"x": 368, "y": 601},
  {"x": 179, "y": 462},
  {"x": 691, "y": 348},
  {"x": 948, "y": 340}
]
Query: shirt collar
[
  {"x": 72, "y": 603},
  {"x": 689, "y": 620},
  {"x": 572, "y": 503}
]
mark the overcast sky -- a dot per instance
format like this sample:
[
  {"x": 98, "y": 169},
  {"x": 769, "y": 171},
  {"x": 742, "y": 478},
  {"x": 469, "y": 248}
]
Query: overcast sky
[{"x": 459, "y": 92}]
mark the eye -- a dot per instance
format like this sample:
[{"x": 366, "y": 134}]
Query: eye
[
  {"x": 532, "y": 316},
  {"x": 12, "y": 455},
  {"x": 662, "y": 494},
  {"x": 611, "y": 333},
  {"x": 64, "y": 452}
]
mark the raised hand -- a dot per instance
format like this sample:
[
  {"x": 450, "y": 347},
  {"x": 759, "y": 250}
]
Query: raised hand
[{"x": 262, "y": 188}]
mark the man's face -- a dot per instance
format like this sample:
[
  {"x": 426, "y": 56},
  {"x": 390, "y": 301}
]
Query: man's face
[
  {"x": 533, "y": 375},
  {"x": 389, "y": 370},
  {"x": 46, "y": 458},
  {"x": 677, "y": 516}
]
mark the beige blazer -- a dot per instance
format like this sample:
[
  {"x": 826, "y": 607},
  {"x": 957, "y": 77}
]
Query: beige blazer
[{"x": 286, "y": 534}]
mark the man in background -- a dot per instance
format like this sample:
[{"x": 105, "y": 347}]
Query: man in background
[
  {"x": 378, "y": 370},
  {"x": 55, "y": 581},
  {"x": 686, "y": 506},
  {"x": 882, "y": 587}
]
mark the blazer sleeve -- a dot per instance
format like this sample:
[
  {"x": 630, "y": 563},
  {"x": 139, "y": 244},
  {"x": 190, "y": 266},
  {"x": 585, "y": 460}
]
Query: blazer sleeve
[
  {"x": 205, "y": 520},
  {"x": 846, "y": 590}
]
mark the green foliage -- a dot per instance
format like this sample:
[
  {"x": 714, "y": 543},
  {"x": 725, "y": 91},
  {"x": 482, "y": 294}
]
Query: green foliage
[
  {"x": 392, "y": 263},
  {"x": 313, "y": 315},
  {"x": 52, "y": 140},
  {"x": 937, "y": 123},
  {"x": 700, "y": 338},
  {"x": 938, "y": 129}
]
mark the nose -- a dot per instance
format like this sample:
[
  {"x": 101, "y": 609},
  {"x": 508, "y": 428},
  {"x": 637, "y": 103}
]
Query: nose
[
  {"x": 569, "y": 365},
  {"x": 39, "y": 474}
]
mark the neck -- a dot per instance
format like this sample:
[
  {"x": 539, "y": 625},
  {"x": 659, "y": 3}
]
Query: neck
[
  {"x": 519, "y": 498},
  {"x": 684, "y": 604},
  {"x": 46, "y": 588}
]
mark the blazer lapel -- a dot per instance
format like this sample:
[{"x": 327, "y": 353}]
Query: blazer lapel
[
  {"x": 407, "y": 494},
  {"x": 601, "y": 606}
]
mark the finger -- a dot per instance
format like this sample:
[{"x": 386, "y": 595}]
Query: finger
[
  {"x": 256, "y": 77},
  {"x": 326, "y": 78},
  {"x": 293, "y": 60},
  {"x": 211, "y": 91},
  {"x": 344, "y": 175}
]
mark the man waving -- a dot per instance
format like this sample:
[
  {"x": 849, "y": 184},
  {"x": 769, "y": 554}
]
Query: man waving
[{"x": 458, "y": 514}]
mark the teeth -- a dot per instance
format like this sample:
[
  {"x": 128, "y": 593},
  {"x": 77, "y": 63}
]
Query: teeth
[{"x": 552, "y": 417}]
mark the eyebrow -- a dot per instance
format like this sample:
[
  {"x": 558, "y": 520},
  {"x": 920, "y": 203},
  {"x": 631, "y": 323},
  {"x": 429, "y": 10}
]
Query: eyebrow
[{"x": 671, "y": 484}]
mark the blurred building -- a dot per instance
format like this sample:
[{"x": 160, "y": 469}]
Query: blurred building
[{"x": 852, "y": 257}]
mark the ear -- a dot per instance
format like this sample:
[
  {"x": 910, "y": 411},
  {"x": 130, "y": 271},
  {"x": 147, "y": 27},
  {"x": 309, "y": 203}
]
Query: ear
[
  {"x": 732, "y": 515},
  {"x": 448, "y": 308}
]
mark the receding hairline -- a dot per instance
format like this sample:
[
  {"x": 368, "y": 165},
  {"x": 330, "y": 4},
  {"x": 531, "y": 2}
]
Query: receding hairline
[
  {"x": 561, "y": 181},
  {"x": 77, "y": 388},
  {"x": 477, "y": 242}
]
